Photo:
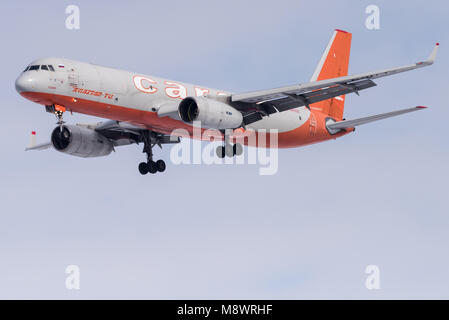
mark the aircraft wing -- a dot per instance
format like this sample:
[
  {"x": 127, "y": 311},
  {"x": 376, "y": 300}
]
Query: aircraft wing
[
  {"x": 256, "y": 104},
  {"x": 334, "y": 127},
  {"x": 120, "y": 133},
  {"x": 40, "y": 146}
]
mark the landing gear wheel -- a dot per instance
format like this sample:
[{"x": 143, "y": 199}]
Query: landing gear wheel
[
  {"x": 152, "y": 168},
  {"x": 143, "y": 168},
  {"x": 237, "y": 149},
  {"x": 229, "y": 150},
  {"x": 220, "y": 152},
  {"x": 160, "y": 165}
]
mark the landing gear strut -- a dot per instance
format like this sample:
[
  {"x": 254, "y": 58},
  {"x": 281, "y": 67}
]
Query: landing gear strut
[
  {"x": 59, "y": 114},
  {"x": 150, "y": 166},
  {"x": 58, "y": 111}
]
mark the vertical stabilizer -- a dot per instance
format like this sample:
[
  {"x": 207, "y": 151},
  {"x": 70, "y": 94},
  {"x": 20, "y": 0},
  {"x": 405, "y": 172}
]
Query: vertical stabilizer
[{"x": 334, "y": 63}]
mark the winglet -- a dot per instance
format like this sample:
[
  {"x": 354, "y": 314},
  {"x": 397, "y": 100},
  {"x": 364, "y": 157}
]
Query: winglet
[
  {"x": 32, "y": 139},
  {"x": 433, "y": 55},
  {"x": 34, "y": 146}
]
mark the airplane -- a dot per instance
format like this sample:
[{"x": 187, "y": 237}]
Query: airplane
[{"x": 148, "y": 109}]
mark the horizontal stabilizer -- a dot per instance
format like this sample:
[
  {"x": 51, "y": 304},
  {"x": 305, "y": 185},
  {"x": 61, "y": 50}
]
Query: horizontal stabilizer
[{"x": 334, "y": 127}]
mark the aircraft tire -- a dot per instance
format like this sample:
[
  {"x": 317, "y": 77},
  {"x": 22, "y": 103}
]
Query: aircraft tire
[
  {"x": 143, "y": 168},
  {"x": 152, "y": 168},
  {"x": 229, "y": 150},
  {"x": 237, "y": 149},
  {"x": 160, "y": 165},
  {"x": 220, "y": 152}
]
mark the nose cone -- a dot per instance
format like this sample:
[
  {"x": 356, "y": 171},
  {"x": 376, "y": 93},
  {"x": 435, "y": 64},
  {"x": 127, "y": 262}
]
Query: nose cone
[{"x": 25, "y": 82}]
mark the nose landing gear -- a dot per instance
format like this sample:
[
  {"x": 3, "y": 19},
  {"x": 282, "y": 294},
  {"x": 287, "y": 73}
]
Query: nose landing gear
[
  {"x": 59, "y": 115},
  {"x": 58, "y": 111}
]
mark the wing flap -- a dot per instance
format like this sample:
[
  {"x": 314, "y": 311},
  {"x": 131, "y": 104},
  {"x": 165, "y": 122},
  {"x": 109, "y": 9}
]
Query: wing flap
[
  {"x": 338, "y": 90},
  {"x": 291, "y": 101}
]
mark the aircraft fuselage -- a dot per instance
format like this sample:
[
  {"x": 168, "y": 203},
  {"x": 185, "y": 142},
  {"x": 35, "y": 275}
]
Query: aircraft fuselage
[{"x": 135, "y": 98}]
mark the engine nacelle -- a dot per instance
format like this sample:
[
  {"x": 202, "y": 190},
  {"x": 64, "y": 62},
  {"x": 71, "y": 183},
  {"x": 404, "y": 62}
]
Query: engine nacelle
[
  {"x": 81, "y": 142},
  {"x": 211, "y": 113}
]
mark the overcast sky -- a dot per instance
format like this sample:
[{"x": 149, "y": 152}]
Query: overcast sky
[{"x": 377, "y": 196}]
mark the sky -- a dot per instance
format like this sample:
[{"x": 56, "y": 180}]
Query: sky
[{"x": 375, "y": 197}]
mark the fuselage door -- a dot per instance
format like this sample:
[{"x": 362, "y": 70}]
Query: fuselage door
[
  {"x": 73, "y": 78},
  {"x": 56, "y": 78},
  {"x": 312, "y": 124}
]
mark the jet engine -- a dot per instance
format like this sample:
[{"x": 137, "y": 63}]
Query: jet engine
[
  {"x": 80, "y": 141},
  {"x": 211, "y": 113}
]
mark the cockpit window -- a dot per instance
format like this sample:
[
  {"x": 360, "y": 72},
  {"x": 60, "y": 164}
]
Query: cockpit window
[{"x": 42, "y": 67}]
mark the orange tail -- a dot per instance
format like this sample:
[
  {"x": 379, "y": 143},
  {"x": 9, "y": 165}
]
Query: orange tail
[{"x": 334, "y": 63}]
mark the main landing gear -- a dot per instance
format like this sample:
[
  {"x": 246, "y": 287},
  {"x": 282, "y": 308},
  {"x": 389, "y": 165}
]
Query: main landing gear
[
  {"x": 150, "y": 166},
  {"x": 228, "y": 149}
]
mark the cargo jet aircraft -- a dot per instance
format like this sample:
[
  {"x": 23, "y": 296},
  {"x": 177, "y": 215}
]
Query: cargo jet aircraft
[{"x": 147, "y": 109}]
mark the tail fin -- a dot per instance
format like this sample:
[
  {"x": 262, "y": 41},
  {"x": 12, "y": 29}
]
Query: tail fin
[{"x": 334, "y": 63}]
